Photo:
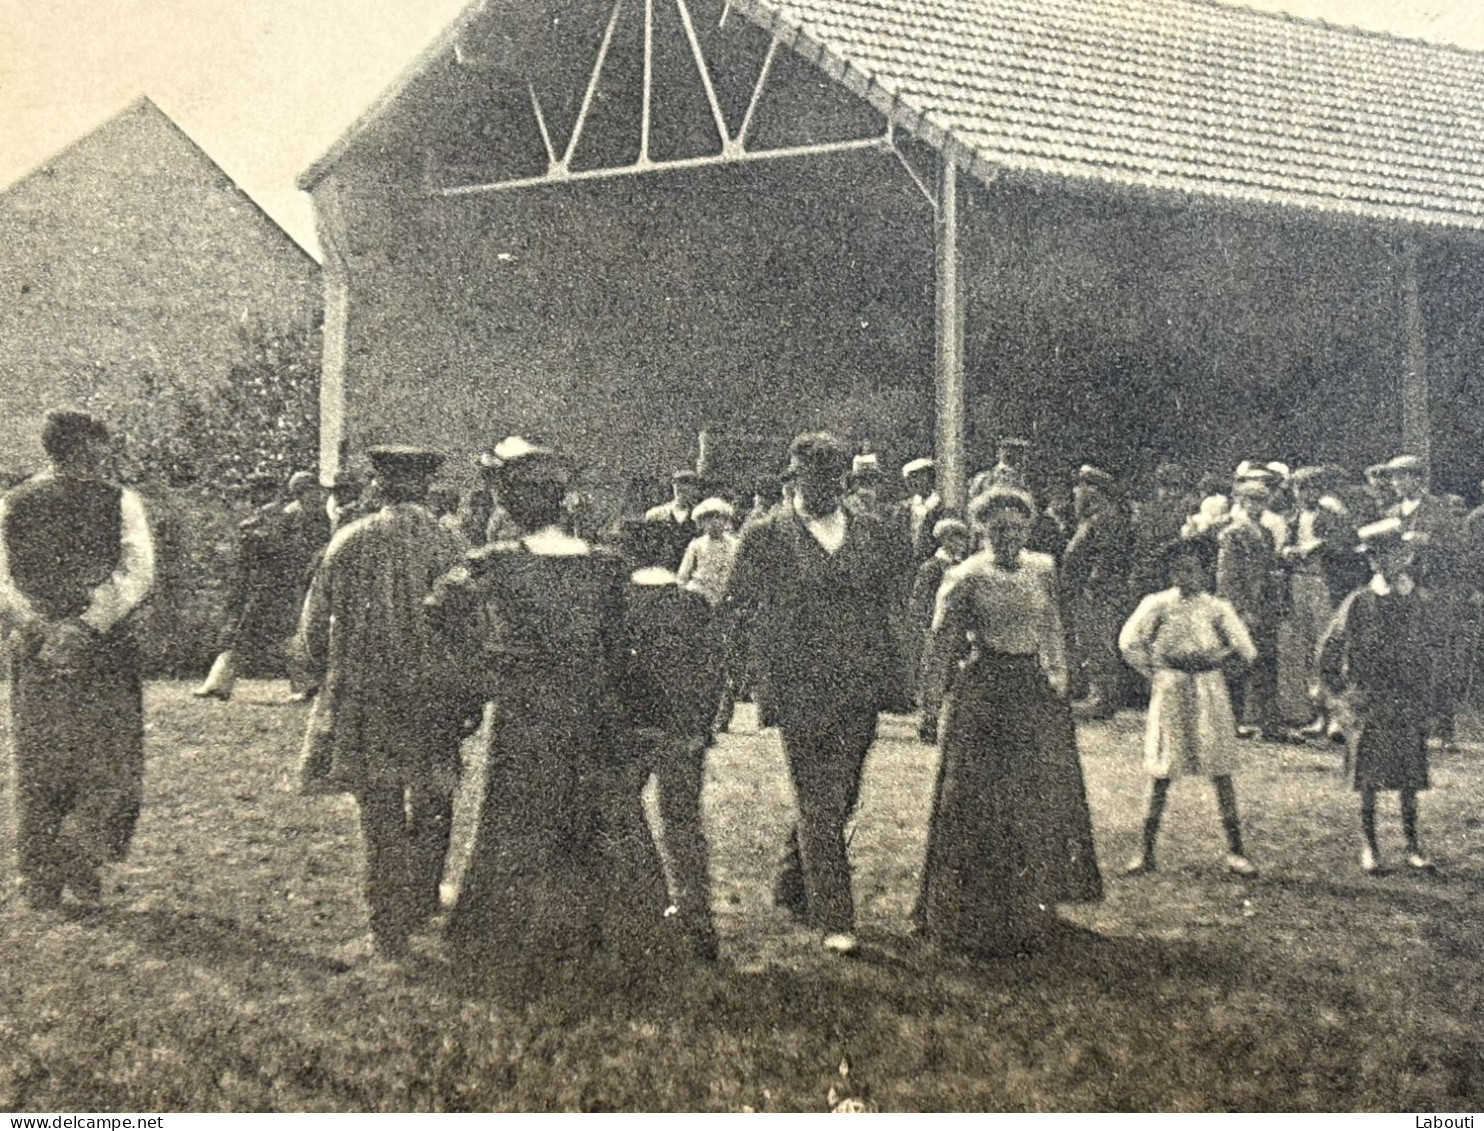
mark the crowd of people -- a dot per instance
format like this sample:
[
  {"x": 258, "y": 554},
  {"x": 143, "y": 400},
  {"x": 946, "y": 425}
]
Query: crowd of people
[{"x": 1289, "y": 604}]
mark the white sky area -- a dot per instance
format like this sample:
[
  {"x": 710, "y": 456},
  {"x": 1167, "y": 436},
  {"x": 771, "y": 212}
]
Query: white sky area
[{"x": 266, "y": 86}]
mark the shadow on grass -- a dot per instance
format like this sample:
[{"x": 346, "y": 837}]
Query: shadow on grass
[{"x": 199, "y": 937}]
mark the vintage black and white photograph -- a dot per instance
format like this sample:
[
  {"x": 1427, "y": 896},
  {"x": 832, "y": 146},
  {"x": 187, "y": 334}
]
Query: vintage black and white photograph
[{"x": 742, "y": 556}]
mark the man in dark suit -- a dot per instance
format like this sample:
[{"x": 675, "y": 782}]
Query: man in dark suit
[
  {"x": 675, "y": 519},
  {"x": 818, "y": 582},
  {"x": 1441, "y": 567},
  {"x": 1095, "y": 575}
]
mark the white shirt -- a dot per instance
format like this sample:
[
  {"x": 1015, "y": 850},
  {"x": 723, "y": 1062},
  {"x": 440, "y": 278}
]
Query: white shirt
[
  {"x": 828, "y": 530},
  {"x": 115, "y": 598}
]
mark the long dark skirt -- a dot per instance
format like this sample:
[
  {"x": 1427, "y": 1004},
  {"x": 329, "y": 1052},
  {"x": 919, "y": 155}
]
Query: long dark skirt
[
  {"x": 563, "y": 868},
  {"x": 1011, "y": 833},
  {"x": 78, "y": 743}
]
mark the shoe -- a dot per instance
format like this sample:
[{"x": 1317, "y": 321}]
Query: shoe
[
  {"x": 842, "y": 943},
  {"x": 1138, "y": 866},
  {"x": 1335, "y": 733},
  {"x": 1370, "y": 863},
  {"x": 1315, "y": 729},
  {"x": 211, "y": 693},
  {"x": 1249, "y": 733},
  {"x": 301, "y": 696},
  {"x": 1239, "y": 865},
  {"x": 1419, "y": 863}
]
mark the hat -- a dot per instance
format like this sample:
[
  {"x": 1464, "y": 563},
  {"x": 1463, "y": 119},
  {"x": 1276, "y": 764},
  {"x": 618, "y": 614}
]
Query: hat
[
  {"x": 1001, "y": 498},
  {"x": 517, "y": 459},
  {"x": 393, "y": 460},
  {"x": 63, "y": 429},
  {"x": 1277, "y": 468},
  {"x": 712, "y": 506},
  {"x": 1250, "y": 470},
  {"x": 1385, "y": 532},
  {"x": 1094, "y": 476},
  {"x": 1251, "y": 488},
  {"x": 302, "y": 480},
  {"x": 1404, "y": 464},
  {"x": 866, "y": 466},
  {"x": 947, "y": 526},
  {"x": 820, "y": 452},
  {"x": 685, "y": 475},
  {"x": 912, "y": 467}
]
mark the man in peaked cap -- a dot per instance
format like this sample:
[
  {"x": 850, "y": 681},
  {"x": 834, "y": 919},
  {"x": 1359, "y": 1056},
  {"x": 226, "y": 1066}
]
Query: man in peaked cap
[
  {"x": 1095, "y": 574},
  {"x": 819, "y": 582},
  {"x": 76, "y": 559},
  {"x": 1249, "y": 575},
  {"x": 675, "y": 516},
  {"x": 923, "y": 506},
  {"x": 1374, "y": 664},
  {"x": 385, "y": 728},
  {"x": 1011, "y": 456},
  {"x": 1442, "y": 568}
]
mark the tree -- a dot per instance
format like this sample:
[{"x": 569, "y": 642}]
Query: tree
[{"x": 263, "y": 417}]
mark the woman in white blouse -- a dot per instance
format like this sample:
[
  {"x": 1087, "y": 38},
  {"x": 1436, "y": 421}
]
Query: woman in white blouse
[{"x": 1011, "y": 835}]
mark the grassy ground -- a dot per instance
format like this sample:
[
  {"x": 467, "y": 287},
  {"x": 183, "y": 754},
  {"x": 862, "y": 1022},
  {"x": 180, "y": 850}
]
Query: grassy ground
[{"x": 232, "y": 968}]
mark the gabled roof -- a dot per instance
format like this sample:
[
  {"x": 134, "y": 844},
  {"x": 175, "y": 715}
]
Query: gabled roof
[
  {"x": 146, "y": 109},
  {"x": 1182, "y": 96}
]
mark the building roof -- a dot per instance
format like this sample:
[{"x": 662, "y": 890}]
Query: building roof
[{"x": 1166, "y": 96}]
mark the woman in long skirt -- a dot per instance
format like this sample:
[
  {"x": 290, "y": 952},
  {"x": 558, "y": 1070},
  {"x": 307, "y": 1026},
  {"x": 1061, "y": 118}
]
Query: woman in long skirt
[
  {"x": 563, "y": 872},
  {"x": 1010, "y": 835}
]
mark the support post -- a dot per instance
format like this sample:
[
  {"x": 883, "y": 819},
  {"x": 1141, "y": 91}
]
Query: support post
[
  {"x": 949, "y": 402},
  {"x": 329, "y": 223},
  {"x": 1416, "y": 409}
]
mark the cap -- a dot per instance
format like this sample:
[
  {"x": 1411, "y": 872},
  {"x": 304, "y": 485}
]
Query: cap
[
  {"x": 866, "y": 466},
  {"x": 1277, "y": 468},
  {"x": 947, "y": 526},
  {"x": 685, "y": 475},
  {"x": 1385, "y": 532},
  {"x": 392, "y": 460},
  {"x": 302, "y": 480},
  {"x": 712, "y": 506},
  {"x": 517, "y": 459},
  {"x": 820, "y": 452},
  {"x": 1254, "y": 487},
  {"x": 912, "y": 467},
  {"x": 1402, "y": 464},
  {"x": 1095, "y": 476}
]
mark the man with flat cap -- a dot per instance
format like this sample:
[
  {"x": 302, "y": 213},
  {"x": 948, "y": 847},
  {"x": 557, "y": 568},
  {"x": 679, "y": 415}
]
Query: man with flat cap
[
  {"x": 386, "y": 726},
  {"x": 923, "y": 506},
  {"x": 76, "y": 559},
  {"x": 1440, "y": 567},
  {"x": 1011, "y": 456},
  {"x": 1095, "y": 577},
  {"x": 675, "y": 517},
  {"x": 819, "y": 582}
]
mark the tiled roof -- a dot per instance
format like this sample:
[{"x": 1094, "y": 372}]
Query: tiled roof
[{"x": 1187, "y": 96}]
